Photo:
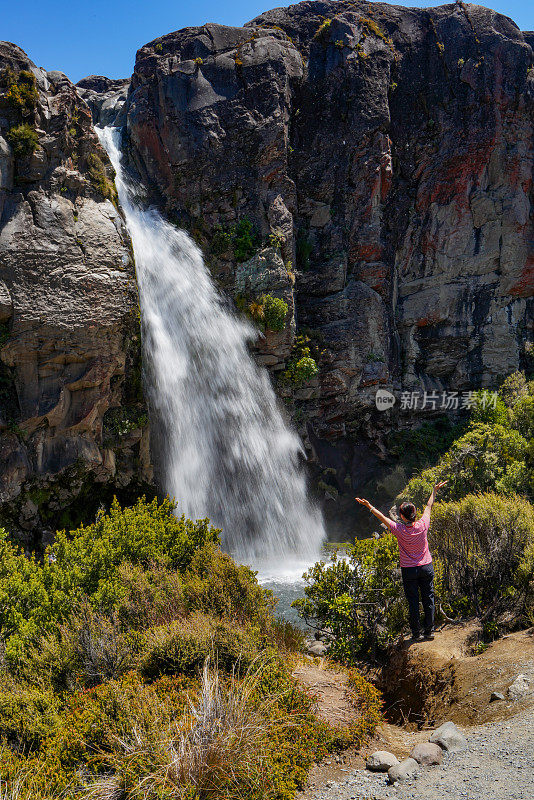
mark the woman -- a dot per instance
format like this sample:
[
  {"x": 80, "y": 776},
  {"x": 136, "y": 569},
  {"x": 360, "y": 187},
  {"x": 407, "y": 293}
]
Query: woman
[{"x": 415, "y": 559}]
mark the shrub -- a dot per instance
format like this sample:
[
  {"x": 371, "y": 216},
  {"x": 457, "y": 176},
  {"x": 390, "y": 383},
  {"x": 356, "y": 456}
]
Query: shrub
[
  {"x": 489, "y": 457},
  {"x": 241, "y": 240},
  {"x": 217, "y": 749},
  {"x": 274, "y": 312},
  {"x": 244, "y": 240},
  {"x": 96, "y": 648},
  {"x": 152, "y": 596},
  {"x": 323, "y": 28},
  {"x": 305, "y": 369},
  {"x": 484, "y": 543},
  {"x": 358, "y": 598},
  {"x": 28, "y": 715},
  {"x": 22, "y": 90},
  {"x": 85, "y": 566},
  {"x": 100, "y": 179},
  {"x": 23, "y": 139},
  {"x": 216, "y": 585},
  {"x": 513, "y": 387},
  {"x": 184, "y": 645},
  {"x": 88, "y": 560},
  {"x": 301, "y": 368},
  {"x": 486, "y": 411},
  {"x": 522, "y": 415}
]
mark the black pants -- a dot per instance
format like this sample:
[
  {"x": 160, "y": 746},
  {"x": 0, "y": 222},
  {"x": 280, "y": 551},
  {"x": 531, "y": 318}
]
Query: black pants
[{"x": 415, "y": 580}]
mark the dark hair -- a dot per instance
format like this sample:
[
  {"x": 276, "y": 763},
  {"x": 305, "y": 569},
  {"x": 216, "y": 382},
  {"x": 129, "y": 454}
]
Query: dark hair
[{"x": 408, "y": 511}]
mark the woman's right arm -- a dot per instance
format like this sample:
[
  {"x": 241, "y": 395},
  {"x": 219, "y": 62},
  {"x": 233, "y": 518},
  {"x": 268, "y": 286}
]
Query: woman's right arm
[{"x": 378, "y": 514}]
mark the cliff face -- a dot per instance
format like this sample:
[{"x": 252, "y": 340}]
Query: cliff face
[
  {"x": 390, "y": 152},
  {"x": 72, "y": 416},
  {"x": 370, "y": 165}
]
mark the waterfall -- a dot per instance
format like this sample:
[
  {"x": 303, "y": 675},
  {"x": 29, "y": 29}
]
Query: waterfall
[{"x": 226, "y": 451}]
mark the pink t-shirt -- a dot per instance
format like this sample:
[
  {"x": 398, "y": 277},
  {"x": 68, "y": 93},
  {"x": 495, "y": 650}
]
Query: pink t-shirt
[{"x": 413, "y": 541}]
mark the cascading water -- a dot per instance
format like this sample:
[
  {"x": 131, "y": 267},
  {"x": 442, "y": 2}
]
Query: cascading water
[{"x": 227, "y": 453}]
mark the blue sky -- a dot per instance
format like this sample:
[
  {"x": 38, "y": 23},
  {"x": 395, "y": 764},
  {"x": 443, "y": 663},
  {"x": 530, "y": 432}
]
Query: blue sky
[{"x": 97, "y": 37}]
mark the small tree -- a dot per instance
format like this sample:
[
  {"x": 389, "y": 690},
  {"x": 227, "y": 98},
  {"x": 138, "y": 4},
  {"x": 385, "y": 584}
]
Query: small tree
[{"x": 358, "y": 598}]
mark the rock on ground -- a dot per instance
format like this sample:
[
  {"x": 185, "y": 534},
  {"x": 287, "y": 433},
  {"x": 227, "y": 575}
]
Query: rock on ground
[
  {"x": 519, "y": 689},
  {"x": 427, "y": 754},
  {"x": 448, "y": 737},
  {"x": 381, "y": 761},
  {"x": 407, "y": 769}
]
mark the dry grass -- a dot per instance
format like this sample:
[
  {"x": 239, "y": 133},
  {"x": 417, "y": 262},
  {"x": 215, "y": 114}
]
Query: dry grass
[
  {"x": 215, "y": 749},
  {"x": 25, "y": 786}
]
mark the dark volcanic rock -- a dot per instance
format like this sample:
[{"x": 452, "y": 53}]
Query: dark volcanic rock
[
  {"x": 391, "y": 151},
  {"x": 106, "y": 98},
  {"x": 72, "y": 413}
]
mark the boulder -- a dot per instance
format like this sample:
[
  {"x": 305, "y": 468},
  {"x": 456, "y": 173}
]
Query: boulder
[
  {"x": 317, "y": 648},
  {"x": 496, "y": 696},
  {"x": 520, "y": 688},
  {"x": 449, "y": 738},
  {"x": 427, "y": 754},
  {"x": 381, "y": 761},
  {"x": 404, "y": 771}
]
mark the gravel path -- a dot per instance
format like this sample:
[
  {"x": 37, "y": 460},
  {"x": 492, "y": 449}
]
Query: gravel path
[{"x": 498, "y": 765}]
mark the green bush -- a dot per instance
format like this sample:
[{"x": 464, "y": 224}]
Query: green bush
[
  {"x": 28, "y": 716},
  {"x": 304, "y": 370},
  {"x": 488, "y": 412},
  {"x": 184, "y": 645},
  {"x": 495, "y": 453},
  {"x": 215, "y": 584},
  {"x": 514, "y": 387},
  {"x": 484, "y": 544},
  {"x": 522, "y": 416},
  {"x": 301, "y": 367},
  {"x": 489, "y": 457},
  {"x": 274, "y": 312},
  {"x": 21, "y": 90},
  {"x": 358, "y": 598},
  {"x": 240, "y": 240},
  {"x": 85, "y": 566},
  {"x": 23, "y": 139}
]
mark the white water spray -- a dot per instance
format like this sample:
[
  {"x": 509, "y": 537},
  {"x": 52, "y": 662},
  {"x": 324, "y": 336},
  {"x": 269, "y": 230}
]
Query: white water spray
[{"x": 226, "y": 451}]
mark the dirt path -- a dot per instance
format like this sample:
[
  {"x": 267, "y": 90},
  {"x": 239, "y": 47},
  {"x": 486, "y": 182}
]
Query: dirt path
[
  {"x": 499, "y": 763},
  {"x": 330, "y": 688}
]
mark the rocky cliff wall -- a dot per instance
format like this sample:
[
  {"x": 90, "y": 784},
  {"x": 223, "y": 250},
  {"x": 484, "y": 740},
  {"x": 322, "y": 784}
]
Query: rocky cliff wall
[
  {"x": 73, "y": 423},
  {"x": 389, "y": 152}
]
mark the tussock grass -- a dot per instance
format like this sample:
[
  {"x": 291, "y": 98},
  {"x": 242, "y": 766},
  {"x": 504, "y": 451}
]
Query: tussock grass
[{"x": 215, "y": 749}]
